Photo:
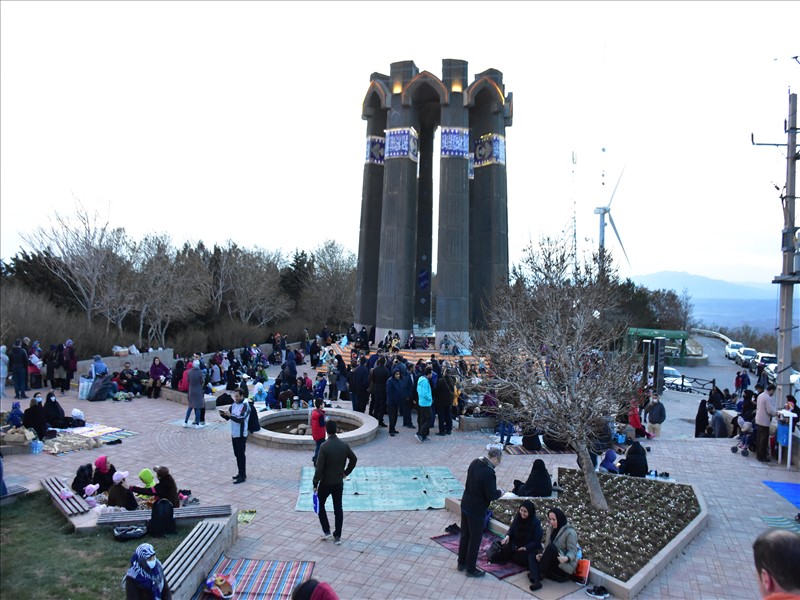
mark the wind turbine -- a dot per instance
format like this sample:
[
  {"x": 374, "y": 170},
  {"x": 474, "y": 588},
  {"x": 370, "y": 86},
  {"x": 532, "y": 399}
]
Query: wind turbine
[{"x": 606, "y": 210}]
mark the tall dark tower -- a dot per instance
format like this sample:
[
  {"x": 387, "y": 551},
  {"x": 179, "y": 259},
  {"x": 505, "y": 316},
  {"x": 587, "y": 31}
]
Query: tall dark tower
[{"x": 395, "y": 271}]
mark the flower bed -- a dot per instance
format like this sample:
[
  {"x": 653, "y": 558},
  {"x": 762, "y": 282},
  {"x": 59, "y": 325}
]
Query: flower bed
[{"x": 644, "y": 516}]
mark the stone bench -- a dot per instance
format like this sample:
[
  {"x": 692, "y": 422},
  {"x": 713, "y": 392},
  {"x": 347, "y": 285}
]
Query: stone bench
[
  {"x": 184, "y": 513},
  {"x": 191, "y": 562},
  {"x": 11, "y": 494},
  {"x": 167, "y": 393},
  {"x": 70, "y": 507}
]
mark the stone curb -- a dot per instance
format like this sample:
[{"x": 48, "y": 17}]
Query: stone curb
[{"x": 366, "y": 432}]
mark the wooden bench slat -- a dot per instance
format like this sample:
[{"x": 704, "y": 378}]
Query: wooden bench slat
[
  {"x": 185, "y": 512},
  {"x": 13, "y": 490},
  {"x": 69, "y": 506},
  {"x": 181, "y": 563}
]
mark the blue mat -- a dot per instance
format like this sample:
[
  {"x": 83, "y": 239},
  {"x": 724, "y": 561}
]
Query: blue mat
[{"x": 790, "y": 491}]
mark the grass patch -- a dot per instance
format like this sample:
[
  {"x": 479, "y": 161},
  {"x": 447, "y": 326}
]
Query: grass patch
[
  {"x": 40, "y": 558},
  {"x": 643, "y": 517}
]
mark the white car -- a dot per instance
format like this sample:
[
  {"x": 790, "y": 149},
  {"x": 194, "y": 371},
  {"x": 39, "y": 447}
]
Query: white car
[
  {"x": 743, "y": 356},
  {"x": 674, "y": 380},
  {"x": 730, "y": 349}
]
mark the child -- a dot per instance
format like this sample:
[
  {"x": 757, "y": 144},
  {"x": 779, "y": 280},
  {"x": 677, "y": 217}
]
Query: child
[{"x": 318, "y": 426}]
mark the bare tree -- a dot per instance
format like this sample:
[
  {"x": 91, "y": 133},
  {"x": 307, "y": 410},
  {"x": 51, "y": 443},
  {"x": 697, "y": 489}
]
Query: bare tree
[
  {"x": 80, "y": 251},
  {"x": 549, "y": 342},
  {"x": 256, "y": 292},
  {"x": 118, "y": 290},
  {"x": 328, "y": 297}
]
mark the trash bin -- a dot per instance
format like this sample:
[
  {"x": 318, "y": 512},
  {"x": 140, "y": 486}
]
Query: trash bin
[{"x": 782, "y": 434}]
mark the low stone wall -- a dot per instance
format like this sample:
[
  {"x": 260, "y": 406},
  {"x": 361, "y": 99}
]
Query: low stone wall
[{"x": 476, "y": 423}]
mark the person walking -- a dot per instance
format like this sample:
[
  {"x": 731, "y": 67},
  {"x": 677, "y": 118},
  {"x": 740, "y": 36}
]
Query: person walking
[
  {"x": 318, "y": 426},
  {"x": 479, "y": 491},
  {"x": 196, "y": 395},
  {"x": 238, "y": 414},
  {"x": 425, "y": 401},
  {"x": 335, "y": 462},
  {"x": 656, "y": 415},
  {"x": 765, "y": 410}
]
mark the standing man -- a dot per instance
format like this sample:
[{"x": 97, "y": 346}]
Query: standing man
[
  {"x": 361, "y": 387},
  {"x": 377, "y": 383},
  {"x": 776, "y": 553},
  {"x": 656, "y": 415},
  {"x": 238, "y": 415},
  {"x": 335, "y": 462},
  {"x": 479, "y": 491},
  {"x": 765, "y": 410},
  {"x": 425, "y": 401},
  {"x": 18, "y": 365}
]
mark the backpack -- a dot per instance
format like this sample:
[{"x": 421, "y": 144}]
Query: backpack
[
  {"x": 129, "y": 532},
  {"x": 252, "y": 420},
  {"x": 162, "y": 519}
]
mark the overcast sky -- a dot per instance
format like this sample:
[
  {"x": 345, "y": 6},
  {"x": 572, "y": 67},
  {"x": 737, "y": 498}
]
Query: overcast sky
[{"x": 242, "y": 121}]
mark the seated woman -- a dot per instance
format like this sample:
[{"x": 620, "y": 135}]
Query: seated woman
[
  {"x": 635, "y": 461},
  {"x": 523, "y": 542},
  {"x": 165, "y": 488},
  {"x": 538, "y": 483},
  {"x": 35, "y": 418},
  {"x": 55, "y": 413},
  {"x": 559, "y": 559},
  {"x": 119, "y": 494},
  {"x": 260, "y": 394},
  {"x": 103, "y": 474},
  {"x": 177, "y": 374},
  {"x": 159, "y": 374},
  {"x": 82, "y": 478},
  {"x": 608, "y": 464},
  {"x": 145, "y": 577}
]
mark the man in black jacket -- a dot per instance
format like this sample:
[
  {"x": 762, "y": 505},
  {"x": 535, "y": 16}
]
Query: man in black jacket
[
  {"x": 18, "y": 367},
  {"x": 361, "y": 386},
  {"x": 377, "y": 384},
  {"x": 335, "y": 462},
  {"x": 479, "y": 491}
]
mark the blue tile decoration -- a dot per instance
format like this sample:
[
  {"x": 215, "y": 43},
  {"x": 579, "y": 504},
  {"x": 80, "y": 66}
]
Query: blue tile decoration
[
  {"x": 376, "y": 146},
  {"x": 455, "y": 142},
  {"x": 402, "y": 142},
  {"x": 490, "y": 149}
]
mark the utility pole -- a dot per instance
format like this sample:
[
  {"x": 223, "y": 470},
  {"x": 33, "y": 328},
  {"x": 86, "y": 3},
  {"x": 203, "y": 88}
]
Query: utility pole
[{"x": 790, "y": 246}]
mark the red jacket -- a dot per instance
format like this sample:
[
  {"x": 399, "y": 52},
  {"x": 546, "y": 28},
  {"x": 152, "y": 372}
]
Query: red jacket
[
  {"x": 318, "y": 424},
  {"x": 183, "y": 385}
]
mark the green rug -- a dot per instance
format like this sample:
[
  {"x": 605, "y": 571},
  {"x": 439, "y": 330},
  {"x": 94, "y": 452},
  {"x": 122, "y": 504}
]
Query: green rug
[
  {"x": 782, "y": 523},
  {"x": 387, "y": 488}
]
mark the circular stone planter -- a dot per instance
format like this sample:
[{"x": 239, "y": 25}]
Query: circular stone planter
[{"x": 366, "y": 429}]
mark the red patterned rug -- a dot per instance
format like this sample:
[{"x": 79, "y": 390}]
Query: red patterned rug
[
  {"x": 450, "y": 541},
  {"x": 260, "y": 579}
]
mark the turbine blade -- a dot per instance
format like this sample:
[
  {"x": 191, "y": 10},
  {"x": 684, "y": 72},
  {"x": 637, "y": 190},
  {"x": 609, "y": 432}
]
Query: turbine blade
[
  {"x": 619, "y": 239},
  {"x": 615, "y": 187}
]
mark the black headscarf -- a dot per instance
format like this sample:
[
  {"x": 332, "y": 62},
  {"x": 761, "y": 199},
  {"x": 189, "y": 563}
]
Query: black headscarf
[
  {"x": 525, "y": 524},
  {"x": 561, "y": 519}
]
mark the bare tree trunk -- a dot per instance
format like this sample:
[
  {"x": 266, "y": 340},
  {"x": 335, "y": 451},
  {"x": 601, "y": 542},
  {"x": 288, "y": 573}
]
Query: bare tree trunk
[{"x": 596, "y": 496}]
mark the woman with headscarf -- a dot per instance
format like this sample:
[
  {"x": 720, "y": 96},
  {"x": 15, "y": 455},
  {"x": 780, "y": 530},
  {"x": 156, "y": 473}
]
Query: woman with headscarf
[
  {"x": 701, "y": 419},
  {"x": 120, "y": 493},
  {"x": 443, "y": 402},
  {"x": 70, "y": 363},
  {"x": 560, "y": 556},
  {"x": 145, "y": 578},
  {"x": 103, "y": 474},
  {"x": 35, "y": 418},
  {"x": 523, "y": 542},
  {"x": 342, "y": 378},
  {"x": 60, "y": 370},
  {"x": 177, "y": 374},
  {"x": 159, "y": 374},
  {"x": 635, "y": 462},
  {"x": 538, "y": 483},
  {"x": 55, "y": 413},
  {"x": 165, "y": 488},
  {"x": 83, "y": 477},
  {"x": 608, "y": 465}
]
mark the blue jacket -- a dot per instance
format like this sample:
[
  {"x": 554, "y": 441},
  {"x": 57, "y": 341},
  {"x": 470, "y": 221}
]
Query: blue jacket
[{"x": 424, "y": 392}]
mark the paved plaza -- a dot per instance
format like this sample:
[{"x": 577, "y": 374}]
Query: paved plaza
[{"x": 390, "y": 554}]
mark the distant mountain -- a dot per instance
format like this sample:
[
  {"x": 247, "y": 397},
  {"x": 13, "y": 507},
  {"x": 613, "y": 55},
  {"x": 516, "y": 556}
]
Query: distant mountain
[{"x": 705, "y": 287}]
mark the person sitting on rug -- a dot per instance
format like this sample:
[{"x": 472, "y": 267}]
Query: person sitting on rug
[
  {"x": 103, "y": 474},
  {"x": 635, "y": 461},
  {"x": 82, "y": 478},
  {"x": 523, "y": 542},
  {"x": 145, "y": 578},
  {"x": 608, "y": 465},
  {"x": 165, "y": 488},
  {"x": 55, "y": 413},
  {"x": 559, "y": 559},
  {"x": 538, "y": 483},
  {"x": 120, "y": 494},
  {"x": 35, "y": 417},
  {"x": 311, "y": 589}
]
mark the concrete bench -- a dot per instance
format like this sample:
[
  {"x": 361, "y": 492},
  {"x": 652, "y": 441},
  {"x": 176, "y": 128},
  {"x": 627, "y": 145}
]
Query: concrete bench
[
  {"x": 184, "y": 513},
  {"x": 191, "y": 562},
  {"x": 71, "y": 507},
  {"x": 11, "y": 494}
]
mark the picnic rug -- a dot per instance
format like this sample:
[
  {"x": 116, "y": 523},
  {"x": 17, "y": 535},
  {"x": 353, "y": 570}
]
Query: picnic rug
[
  {"x": 790, "y": 491},
  {"x": 386, "y": 488},
  {"x": 83, "y": 438},
  {"x": 782, "y": 523},
  {"x": 260, "y": 579},
  {"x": 450, "y": 541}
]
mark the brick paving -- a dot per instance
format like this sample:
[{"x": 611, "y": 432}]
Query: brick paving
[{"x": 391, "y": 555}]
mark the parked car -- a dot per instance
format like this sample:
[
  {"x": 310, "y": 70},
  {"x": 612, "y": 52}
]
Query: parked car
[
  {"x": 743, "y": 356},
  {"x": 674, "y": 380},
  {"x": 730, "y": 349},
  {"x": 762, "y": 359},
  {"x": 772, "y": 378}
]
